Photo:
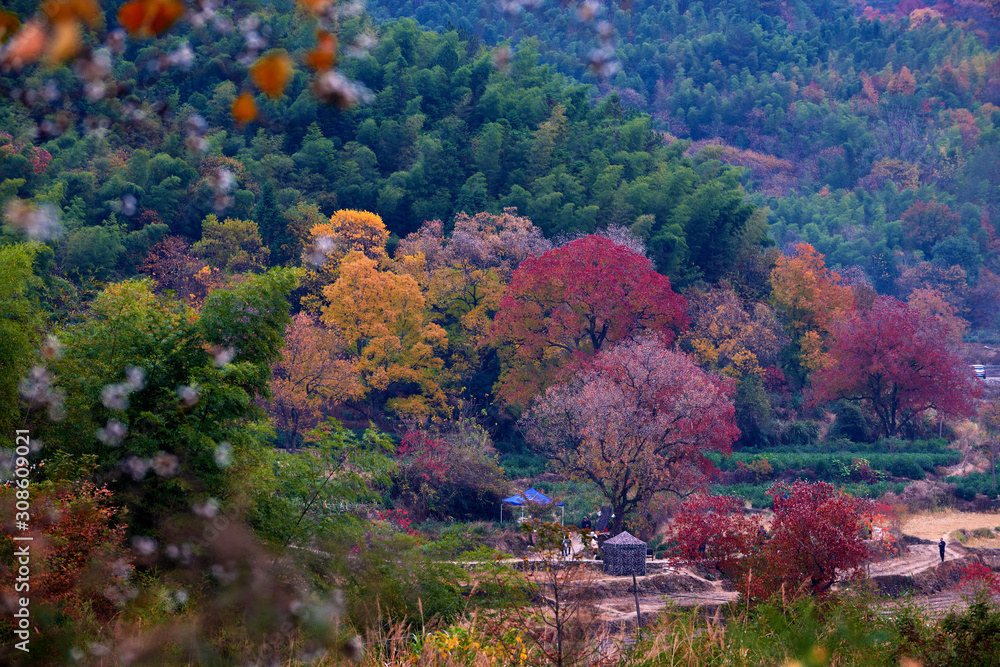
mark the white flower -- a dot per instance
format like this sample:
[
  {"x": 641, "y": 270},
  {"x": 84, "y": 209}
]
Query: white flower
[
  {"x": 136, "y": 378},
  {"x": 165, "y": 465},
  {"x": 224, "y": 455},
  {"x": 207, "y": 509},
  {"x": 146, "y": 546},
  {"x": 112, "y": 433},
  {"x": 135, "y": 467},
  {"x": 115, "y": 396},
  {"x": 188, "y": 394}
]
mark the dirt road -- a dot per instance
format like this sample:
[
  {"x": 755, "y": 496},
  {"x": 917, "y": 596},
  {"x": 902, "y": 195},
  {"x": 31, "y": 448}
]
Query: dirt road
[{"x": 920, "y": 557}]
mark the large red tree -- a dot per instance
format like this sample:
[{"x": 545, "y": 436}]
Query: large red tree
[
  {"x": 563, "y": 307},
  {"x": 897, "y": 363},
  {"x": 636, "y": 420}
]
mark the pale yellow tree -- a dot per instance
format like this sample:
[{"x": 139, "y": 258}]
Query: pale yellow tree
[
  {"x": 463, "y": 276},
  {"x": 727, "y": 337},
  {"x": 931, "y": 303},
  {"x": 234, "y": 246}
]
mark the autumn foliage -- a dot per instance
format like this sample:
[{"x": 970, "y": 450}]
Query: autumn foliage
[
  {"x": 636, "y": 420},
  {"x": 311, "y": 375},
  {"x": 731, "y": 337},
  {"x": 811, "y": 297},
  {"x": 562, "y": 308},
  {"x": 79, "y": 564},
  {"x": 449, "y": 475},
  {"x": 389, "y": 338},
  {"x": 898, "y": 364},
  {"x": 926, "y": 223},
  {"x": 329, "y": 242},
  {"x": 463, "y": 276},
  {"x": 815, "y": 539}
]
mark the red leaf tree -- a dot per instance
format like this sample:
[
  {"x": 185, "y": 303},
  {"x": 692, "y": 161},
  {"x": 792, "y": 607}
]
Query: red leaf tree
[
  {"x": 565, "y": 306},
  {"x": 80, "y": 565},
  {"x": 816, "y": 538},
  {"x": 636, "y": 421},
  {"x": 897, "y": 363}
]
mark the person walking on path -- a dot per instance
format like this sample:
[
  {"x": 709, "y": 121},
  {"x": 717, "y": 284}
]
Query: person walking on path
[{"x": 941, "y": 546}]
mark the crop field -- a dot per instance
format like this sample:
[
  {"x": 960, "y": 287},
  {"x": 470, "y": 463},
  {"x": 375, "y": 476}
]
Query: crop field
[{"x": 934, "y": 525}]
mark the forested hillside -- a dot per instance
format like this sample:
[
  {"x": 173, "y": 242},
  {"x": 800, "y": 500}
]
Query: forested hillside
[{"x": 858, "y": 126}]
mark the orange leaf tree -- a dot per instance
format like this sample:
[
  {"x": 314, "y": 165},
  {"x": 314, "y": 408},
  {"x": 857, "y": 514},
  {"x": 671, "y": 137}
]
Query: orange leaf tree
[
  {"x": 926, "y": 223},
  {"x": 726, "y": 337},
  {"x": 389, "y": 337},
  {"x": 811, "y": 297},
  {"x": 311, "y": 374},
  {"x": 931, "y": 303}
]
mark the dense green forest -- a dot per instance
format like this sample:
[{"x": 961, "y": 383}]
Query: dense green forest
[
  {"x": 293, "y": 294},
  {"x": 845, "y": 117}
]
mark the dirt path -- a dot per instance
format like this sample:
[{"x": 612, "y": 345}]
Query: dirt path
[
  {"x": 933, "y": 526},
  {"x": 920, "y": 557}
]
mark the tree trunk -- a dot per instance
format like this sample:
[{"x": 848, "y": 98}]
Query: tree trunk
[
  {"x": 617, "y": 524},
  {"x": 993, "y": 462}
]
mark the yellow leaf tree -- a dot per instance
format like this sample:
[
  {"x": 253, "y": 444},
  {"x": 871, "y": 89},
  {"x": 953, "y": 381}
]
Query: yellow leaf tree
[
  {"x": 347, "y": 231},
  {"x": 726, "y": 337},
  {"x": 389, "y": 337}
]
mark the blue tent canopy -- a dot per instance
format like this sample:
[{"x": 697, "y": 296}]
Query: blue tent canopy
[{"x": 529, "y": 496}]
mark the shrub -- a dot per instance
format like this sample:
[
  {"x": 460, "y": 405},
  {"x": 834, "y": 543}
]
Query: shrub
[
  {"x": 967, "y": 638},
  {"x": 801, "y": 432},
  {"x": 851, "y": 423},
  {"x": 969, "y": 486},
  {"x": 904, "y": 466},
  {"x": 758, "y": 470},
  {"x": 927, "y": 495},
  {"x": 813, "y": 541},
  {"x": 82, "y": 567},
  {"x": 453, "y": 475}
]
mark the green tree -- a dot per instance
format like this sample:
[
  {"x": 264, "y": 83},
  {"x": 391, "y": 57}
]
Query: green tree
[
  {"x": 164, "y": 399},
  {"x": 20, "y": 323},
  {"x": 233, "y": 245}
]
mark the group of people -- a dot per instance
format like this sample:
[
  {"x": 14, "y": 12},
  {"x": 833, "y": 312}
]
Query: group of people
[{"x": 589, "y": 536}]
